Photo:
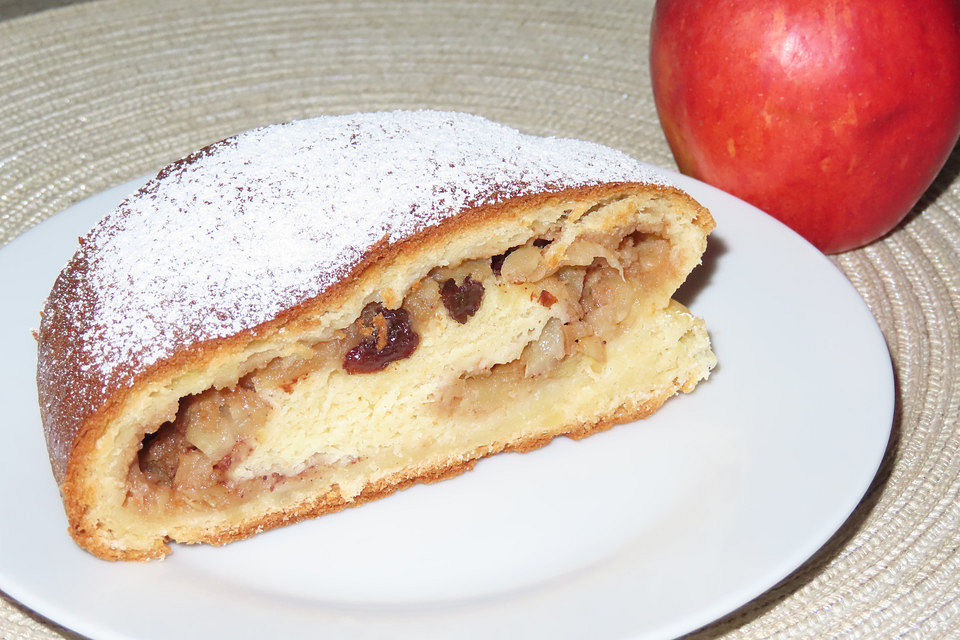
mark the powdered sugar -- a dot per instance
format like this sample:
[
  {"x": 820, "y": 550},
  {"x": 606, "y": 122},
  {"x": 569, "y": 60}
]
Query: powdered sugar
[{"x": 273, "y": 217}]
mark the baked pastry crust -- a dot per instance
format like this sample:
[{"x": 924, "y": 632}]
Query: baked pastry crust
[{"x": 489, "y": 202}]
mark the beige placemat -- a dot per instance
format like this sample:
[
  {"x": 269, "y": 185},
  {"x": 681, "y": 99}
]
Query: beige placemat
[{"x": 101, "y": 92}]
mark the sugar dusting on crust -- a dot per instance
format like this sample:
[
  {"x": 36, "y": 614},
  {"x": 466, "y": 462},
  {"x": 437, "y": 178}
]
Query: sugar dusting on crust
[{"x": 231, "y": 236}]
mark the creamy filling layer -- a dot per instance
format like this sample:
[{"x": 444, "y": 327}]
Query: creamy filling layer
[{"x": 461, "y": 342}]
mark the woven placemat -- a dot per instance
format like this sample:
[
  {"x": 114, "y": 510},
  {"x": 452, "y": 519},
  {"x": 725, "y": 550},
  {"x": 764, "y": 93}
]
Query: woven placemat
[{"x": 101, "y": 92}]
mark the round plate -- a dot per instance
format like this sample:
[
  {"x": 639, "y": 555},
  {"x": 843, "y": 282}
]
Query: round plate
[{"x": 648, "y": 530}]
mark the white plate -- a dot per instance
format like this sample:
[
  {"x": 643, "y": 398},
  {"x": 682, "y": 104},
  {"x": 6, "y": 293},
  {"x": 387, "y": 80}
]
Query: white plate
[{"x": 648, "y": 530}]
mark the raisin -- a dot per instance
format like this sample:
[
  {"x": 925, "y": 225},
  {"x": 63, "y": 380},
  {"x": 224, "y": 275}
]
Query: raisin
[
  {"x": 462, "y": 301},
  {"x": 385, "y": 336},
  {"x": 496, "y": 262}
]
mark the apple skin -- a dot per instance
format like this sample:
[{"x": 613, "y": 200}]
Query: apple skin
[{"x": 834, "y": 116}]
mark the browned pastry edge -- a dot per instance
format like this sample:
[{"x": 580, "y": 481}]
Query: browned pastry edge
[
  {"x": 95, "y": 406},
  {"x": 332, "y": 501}
]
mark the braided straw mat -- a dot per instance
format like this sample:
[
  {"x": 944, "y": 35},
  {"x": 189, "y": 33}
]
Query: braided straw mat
[{"x": 98, "y": 93}]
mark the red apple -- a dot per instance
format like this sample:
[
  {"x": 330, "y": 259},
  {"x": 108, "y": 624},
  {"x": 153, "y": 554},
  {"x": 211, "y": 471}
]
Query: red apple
[{"x": 832, "y": 115}]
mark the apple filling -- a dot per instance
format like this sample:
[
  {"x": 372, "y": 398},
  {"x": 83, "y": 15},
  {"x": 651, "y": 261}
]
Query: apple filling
[{"x": 464, "y": 340}]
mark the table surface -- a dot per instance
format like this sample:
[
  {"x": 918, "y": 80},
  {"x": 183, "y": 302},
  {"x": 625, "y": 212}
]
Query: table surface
[
  {"x": 129, "y": 85},
  {"x": 15, "y": 8}
]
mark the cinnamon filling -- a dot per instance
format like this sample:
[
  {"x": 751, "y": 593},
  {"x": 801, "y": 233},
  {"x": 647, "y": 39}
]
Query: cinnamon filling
[{"x": 588, "y": 291}]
